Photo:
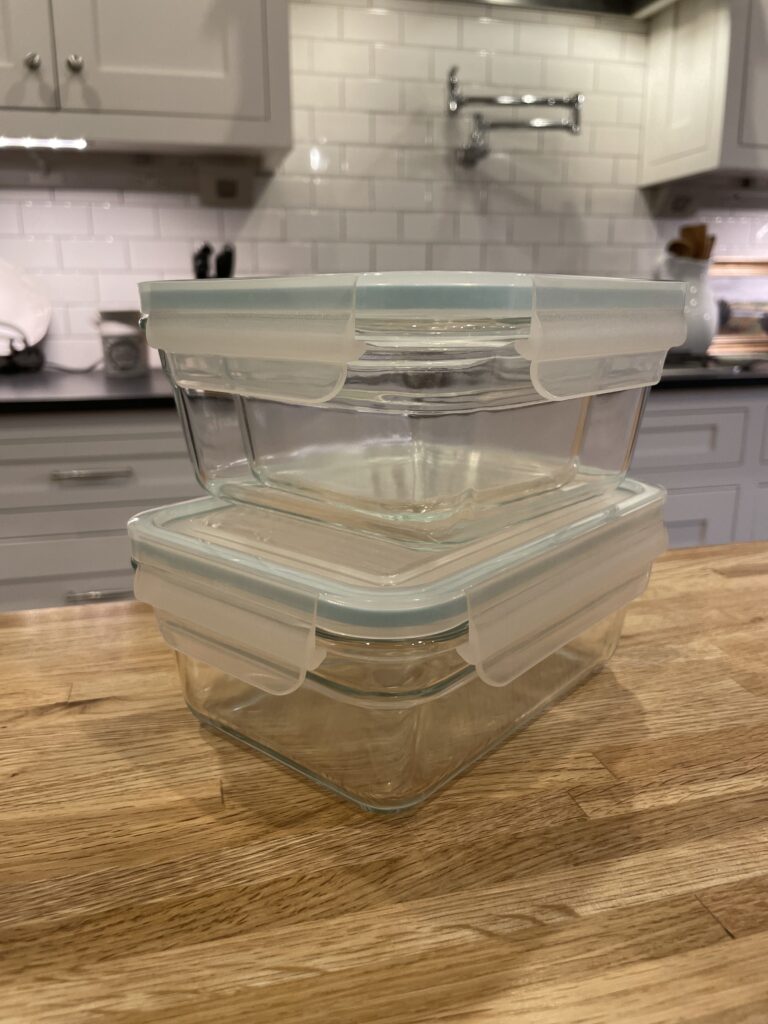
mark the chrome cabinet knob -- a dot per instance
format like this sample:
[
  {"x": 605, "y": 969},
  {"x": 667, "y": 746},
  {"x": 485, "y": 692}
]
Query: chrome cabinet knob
[
  {"x": 75, "y": 62},
  {"x": 33, "y": 60}
]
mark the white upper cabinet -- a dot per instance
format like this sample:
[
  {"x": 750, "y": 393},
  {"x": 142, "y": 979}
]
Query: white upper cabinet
[
  {"x": 706, "y": 90},
  {"x": 27, "y": 71},
  {"x": 166, "y": 57},
  {"x": 149, "y": 74}
]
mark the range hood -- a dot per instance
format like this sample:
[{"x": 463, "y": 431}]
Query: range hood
[{"x": 630, "y": 8}]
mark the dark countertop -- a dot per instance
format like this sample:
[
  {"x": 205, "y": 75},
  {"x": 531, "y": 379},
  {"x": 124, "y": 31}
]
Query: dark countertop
[{"x": 54, "y": 391}]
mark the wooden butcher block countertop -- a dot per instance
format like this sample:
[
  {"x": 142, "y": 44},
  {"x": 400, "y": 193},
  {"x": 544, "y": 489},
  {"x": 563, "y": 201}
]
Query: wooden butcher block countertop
[{"x": 609, "y": 865}]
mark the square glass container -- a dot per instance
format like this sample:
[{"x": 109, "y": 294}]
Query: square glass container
[
  {"x": 378, "y": 667},
  {"x": 421, "y": 405}
]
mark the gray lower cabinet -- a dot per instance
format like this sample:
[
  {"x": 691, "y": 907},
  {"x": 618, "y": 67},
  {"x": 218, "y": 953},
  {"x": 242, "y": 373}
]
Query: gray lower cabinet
[
  {"x": 709, "y": 448},
  {"x": 70, "y": 482}
]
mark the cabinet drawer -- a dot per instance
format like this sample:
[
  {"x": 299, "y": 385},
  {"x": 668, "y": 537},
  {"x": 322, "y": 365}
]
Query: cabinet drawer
[
  {"x": 695, "y": 437},
  {"x": 116, "y": 480},
  {"x": 64, "y": 556},
  {"x": 91, "y": 588},
  {"x": 50, "y": 522},
  {"x": 51, "y": 435},
  {"x": 700, "y": 516}
]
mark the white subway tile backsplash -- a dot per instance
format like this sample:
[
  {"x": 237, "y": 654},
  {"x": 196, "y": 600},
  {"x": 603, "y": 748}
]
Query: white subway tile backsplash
[
  {"x": 528, "y": 229},
  {"x": 401, "y": 195},
  {"x": 66, "y": 288},
  {"x": 490, "y": 34},
  {"x": 371, "y": 227},
  {"x": 457, "y": 257},
  {"x": 399, "y": 62},
  {"x": 279, "y": 192},
  {"x": 380, "y": 95},
  {"x": 563, "y": 199},
  {"x": 616, "y": 201},
  {"x": 83, "y": 321},
  {"x": 516, "y": 73},
  {"x": 597, "y": 44},
  {"x": 257, "y": 223},
  {"x": 511, "y": 198},
  {"x": 621, "y": 78},
  {"x": 630, "y": 110},
  {"x": 192, "y": 222},
  {"x": 314, "y": 21},
  {"x": 120, "y": 291},
  {"x": 96, "y": 254},
  {"x": 546, "y": 40},
  {"x": 619, "y": 141},
  {"x": 52, "y": 218},
  {"x": 342, "y": 257},
  {"x": 375, "y": 25},
  {"x": 634, "y": 231},
  {"x": 160, "y": 254},
  {"x": 516, "y": 258},
  {"x": 301, "y": 54},
  {"x": 586, "y": 230},
  {"x": 342, "y": 126},
  {"x": 635, "y": 47},
  {"x": 430, "y": 227},
  {"x": 610, "y": 261},
  {"x": 473, "y": 65},
  {"x": 371, "y": 161},
  {"x": 480, "y": 228},
  {"x": 429, "y": 164},
  {"x": 125, "y": 221},
  {"x": 316, "y": 91},
  {"x": 627, "y": 171},
  {"x": 560, "y": 259},
  {"x": 312, "y": 159},
  {"x": 401, "y": 130},
  {"x": 341, "y": 58},
  {"x": 343, "y": 193},
  {"x": 425, "y": 98},
  {"x": 430, "y": 30},
  {"x": 600, "y": 108},
  {"x": 589, "y": 170},
  {"x": 569, "y": 75},
  {"x": 400, "y": 257},
  {"x": 312, "y": 225},
  {"x": 464, "y": 196},
  {"x": 283, "y": 258},
  {"x": 10, "y": 221}
]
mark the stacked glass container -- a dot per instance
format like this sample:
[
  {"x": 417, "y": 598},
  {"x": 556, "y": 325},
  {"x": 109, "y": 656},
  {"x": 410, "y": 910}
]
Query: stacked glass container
[{"x": 420, "y": 534}]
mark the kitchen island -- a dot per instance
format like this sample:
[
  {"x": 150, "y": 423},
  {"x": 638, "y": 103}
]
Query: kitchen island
[{"x": 608, "y": 864}]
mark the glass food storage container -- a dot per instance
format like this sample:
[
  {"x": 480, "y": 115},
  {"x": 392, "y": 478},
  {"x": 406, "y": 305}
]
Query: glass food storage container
[
  {"x": 382, "y": 668},
  {"x": 413, "y": 404}
]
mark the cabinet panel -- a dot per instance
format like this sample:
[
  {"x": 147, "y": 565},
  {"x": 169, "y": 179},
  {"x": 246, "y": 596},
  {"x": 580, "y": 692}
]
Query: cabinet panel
[
  {"x": 760, "y": 520},
  {"x": 753, "y": 125},
  {"x": 192, "y": 57},
  {"x": 90, "y": 588},
  {"x": 695, "y": 437},
  {"x": 25, "y": 29},
  {"x": 686, "y": 89},
  {"x": 701, "y": 516}
]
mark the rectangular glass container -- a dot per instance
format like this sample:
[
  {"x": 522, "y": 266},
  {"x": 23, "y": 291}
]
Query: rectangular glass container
[
  {"x": 421, "y": 405},
  {"x": 382, "y": 667},
  {"x": 388, "y": 724}
]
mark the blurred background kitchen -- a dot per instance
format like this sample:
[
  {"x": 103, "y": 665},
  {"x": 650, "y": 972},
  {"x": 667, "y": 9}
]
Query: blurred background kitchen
[{"x": 217, "y": 137}]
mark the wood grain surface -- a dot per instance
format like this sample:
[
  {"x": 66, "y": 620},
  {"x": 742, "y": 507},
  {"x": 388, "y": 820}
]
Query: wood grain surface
[{"x": 610, "y": 864}]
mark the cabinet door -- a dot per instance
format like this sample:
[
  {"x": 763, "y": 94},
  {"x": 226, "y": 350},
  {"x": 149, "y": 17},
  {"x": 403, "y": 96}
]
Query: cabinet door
[
  {"x": 685, "y": 90},
  {"x": 701, "y": 516},
  {"x": 193, "y": 57},
  {"x": 25, "y": 34},
  {"x": 753, "y": 75}
]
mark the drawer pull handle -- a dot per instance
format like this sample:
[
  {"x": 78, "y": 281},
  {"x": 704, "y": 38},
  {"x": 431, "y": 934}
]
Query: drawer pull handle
[
  {"x": 64, "y": 475},
  {"x": 94, "y": 596}
]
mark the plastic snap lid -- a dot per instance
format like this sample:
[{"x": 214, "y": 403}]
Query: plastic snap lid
[
  {"x": 292, "y": 339},
  {"x": 247, "y": 589}
]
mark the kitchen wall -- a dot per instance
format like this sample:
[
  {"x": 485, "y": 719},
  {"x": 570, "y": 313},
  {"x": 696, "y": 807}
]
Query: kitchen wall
[{"x": 372, "y": 183}]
